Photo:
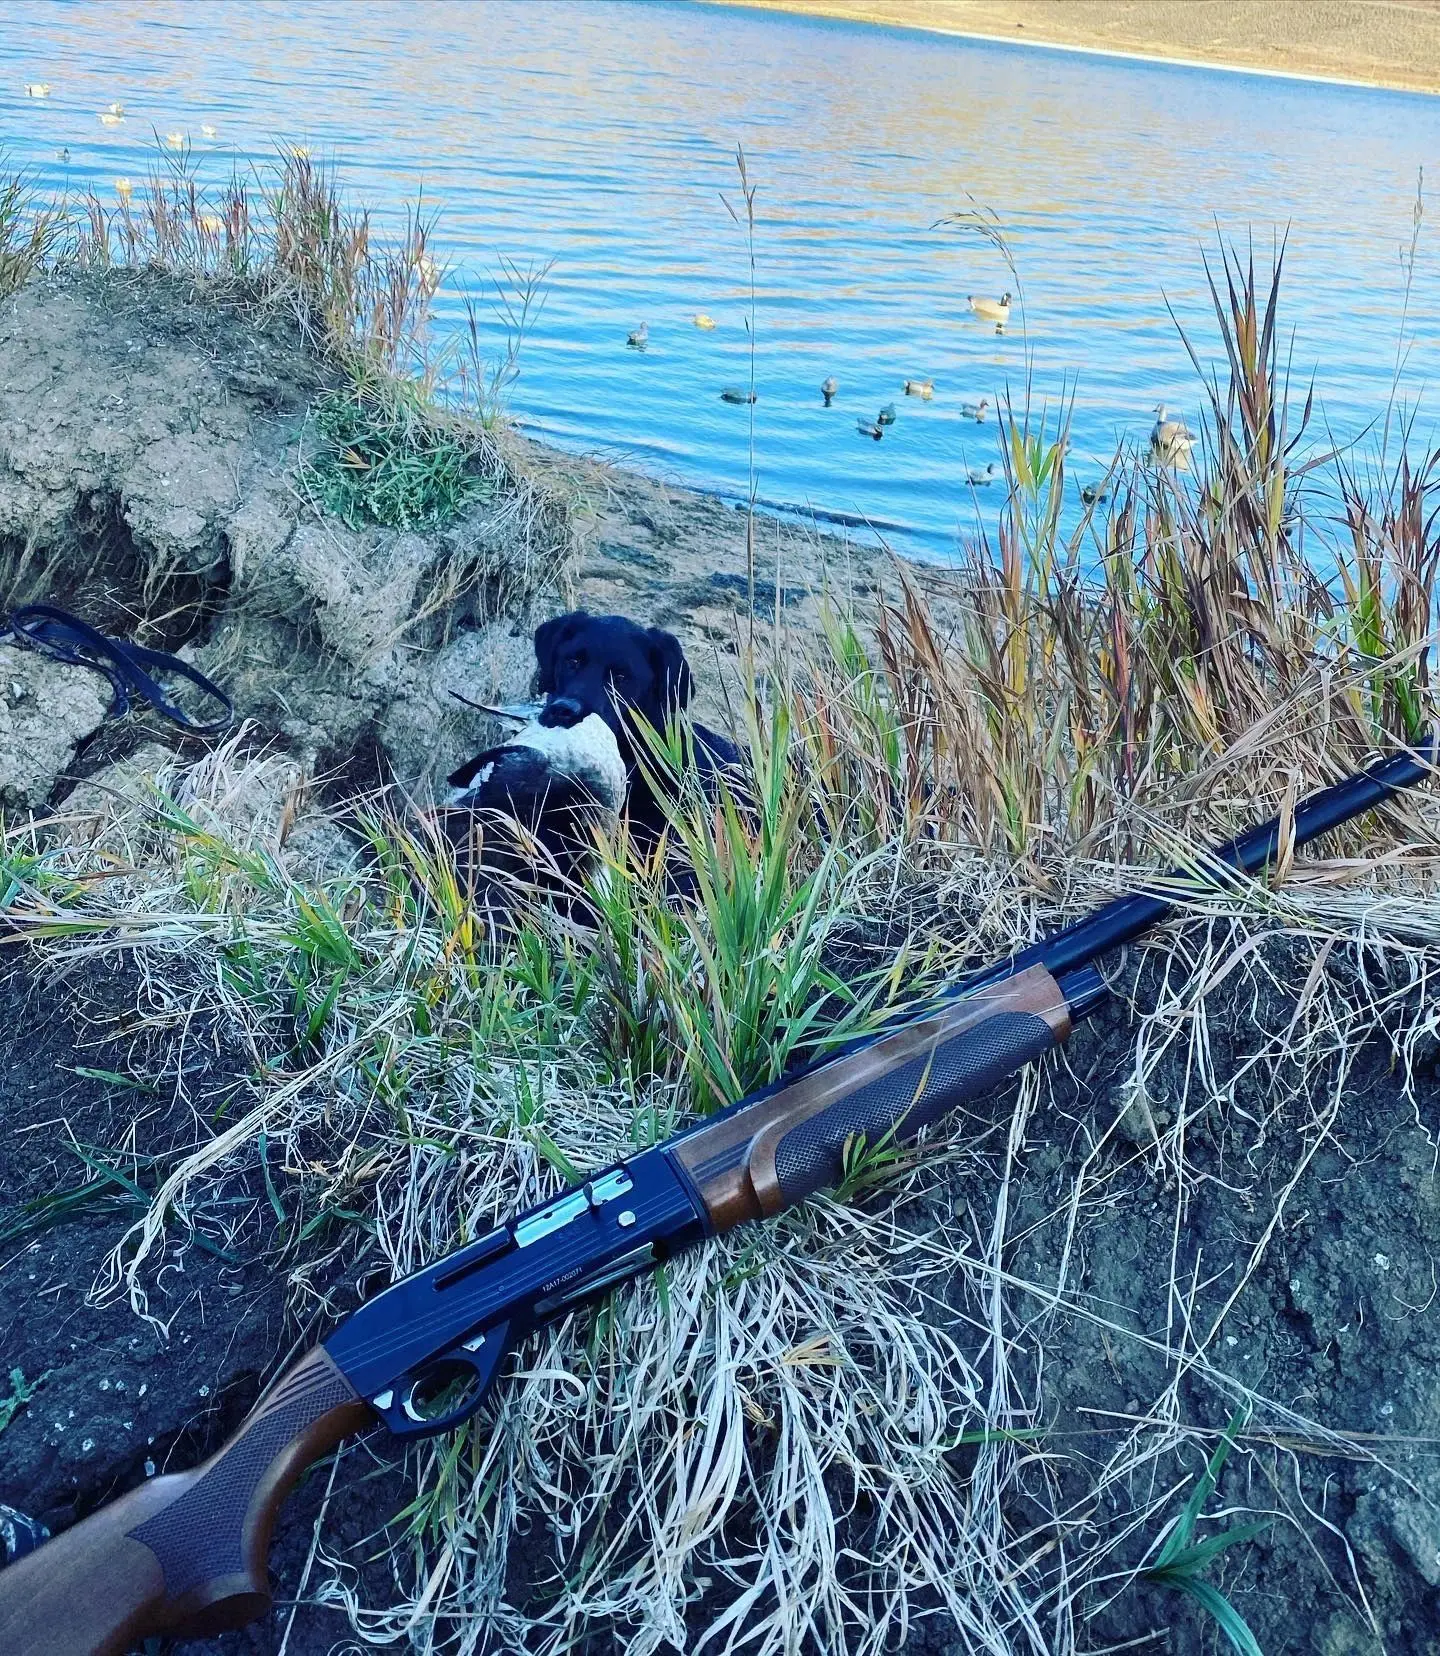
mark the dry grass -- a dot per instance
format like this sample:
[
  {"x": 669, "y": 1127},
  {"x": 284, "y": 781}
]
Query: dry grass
[
  {"x": 410, "y": 434},
  {"x": 803, "y": 1436},
  {"x": 30, "y": 230}
]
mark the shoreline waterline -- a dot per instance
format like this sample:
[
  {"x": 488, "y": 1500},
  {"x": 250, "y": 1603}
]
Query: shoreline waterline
[{"x": 917, "y": 19}]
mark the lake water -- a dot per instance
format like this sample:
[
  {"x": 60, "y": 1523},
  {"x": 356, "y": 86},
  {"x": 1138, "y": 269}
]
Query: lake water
[{"x": 601, "y": 135}]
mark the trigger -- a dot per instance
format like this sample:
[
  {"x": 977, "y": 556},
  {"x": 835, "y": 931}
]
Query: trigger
[{"x": 472, "y": 1364}]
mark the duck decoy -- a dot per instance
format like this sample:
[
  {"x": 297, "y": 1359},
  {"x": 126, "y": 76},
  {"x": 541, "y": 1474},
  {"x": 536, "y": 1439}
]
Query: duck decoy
[
  {"x": 37, "y": 89},
  {"x": 1093, "y": 492},
  {"x": 427, "y": 272},
  {"x": 975, "y": 410},
  {"x": 639, "y": 338},
  {"x": 115, "y": 109},
  {"x": 1170, "y": 441},
  {"x": 124, "y": 189},
  {"x": 920, "y": 388},
  {"x": 63, "y": 157},
  {"x": 702, "y": 321},
  {"x": 886, "y": 416},
  {"x": 736, "y": 394},
  {"x": 207, "y": 131},
  {"x": 828, "y": 387},
  {"x": 108, "y": 117},
  {"x": 979, "y": 476},
  {"x": 868, "y": 428},
  {"x": 991, "y": 310},
  {"x": 211, "y": 223},
  {"x": 176, "y": 140}
]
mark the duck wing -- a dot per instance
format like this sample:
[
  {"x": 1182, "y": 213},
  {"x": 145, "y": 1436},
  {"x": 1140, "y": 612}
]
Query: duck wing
[{"x": 474, "y": 773}]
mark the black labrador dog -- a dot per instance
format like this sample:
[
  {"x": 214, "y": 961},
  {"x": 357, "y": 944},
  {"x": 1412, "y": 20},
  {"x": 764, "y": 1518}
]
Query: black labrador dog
[{"x": 611, "y": 666}]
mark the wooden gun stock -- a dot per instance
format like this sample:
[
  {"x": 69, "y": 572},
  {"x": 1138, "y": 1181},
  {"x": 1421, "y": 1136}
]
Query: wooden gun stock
[
  {"x": 186, "y": 1553},
  {"x": 759, "y": 1159}
]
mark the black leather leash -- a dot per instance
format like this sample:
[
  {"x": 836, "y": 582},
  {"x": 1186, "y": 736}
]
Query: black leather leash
[{"x": 130, "y": 668}]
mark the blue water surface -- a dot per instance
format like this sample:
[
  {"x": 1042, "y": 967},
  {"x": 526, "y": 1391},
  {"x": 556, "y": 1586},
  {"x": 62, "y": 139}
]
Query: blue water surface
[{"x": 601, "y": 135}]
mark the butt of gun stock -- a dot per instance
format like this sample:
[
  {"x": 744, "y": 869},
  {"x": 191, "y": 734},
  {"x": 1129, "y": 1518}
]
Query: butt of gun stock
[
  {"x": 762, "y": 1158},
  {"x": 185, "y": 1553}
]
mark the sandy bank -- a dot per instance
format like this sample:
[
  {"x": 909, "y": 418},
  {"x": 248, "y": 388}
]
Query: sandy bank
[{"x": 1394, "y": 43}]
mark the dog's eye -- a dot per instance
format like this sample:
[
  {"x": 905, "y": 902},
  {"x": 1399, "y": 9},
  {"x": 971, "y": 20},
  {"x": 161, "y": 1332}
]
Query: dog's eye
[
  {"x": 572, "y": 664},
  {"x": 619, "y": 675}
]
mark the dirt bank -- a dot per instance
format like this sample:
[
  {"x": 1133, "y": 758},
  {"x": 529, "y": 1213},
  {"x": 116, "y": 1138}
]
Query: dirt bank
[
  {"x": 1196, "y": 1213},
  {"x": 149, "y": 438},
  {"x": 1393, "y": 43}
]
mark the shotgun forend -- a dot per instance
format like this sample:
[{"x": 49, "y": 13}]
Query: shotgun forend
[
  {"x": 766, "y": 1154},
  {"x": 186, "y": 1553}
]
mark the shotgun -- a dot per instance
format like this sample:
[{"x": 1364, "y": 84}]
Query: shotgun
[{"x": 186, "y": 1553}]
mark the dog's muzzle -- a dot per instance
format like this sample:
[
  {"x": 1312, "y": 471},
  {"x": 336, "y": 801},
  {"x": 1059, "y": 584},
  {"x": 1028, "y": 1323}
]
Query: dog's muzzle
[{"x": 562, "y": 713}]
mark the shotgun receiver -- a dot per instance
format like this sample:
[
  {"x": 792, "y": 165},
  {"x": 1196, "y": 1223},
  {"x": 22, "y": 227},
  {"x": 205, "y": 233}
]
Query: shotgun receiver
[{"x": 186, "y": 1553}]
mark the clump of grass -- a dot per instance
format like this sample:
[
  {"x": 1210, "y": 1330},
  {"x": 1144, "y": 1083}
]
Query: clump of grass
[
  {"x": 408, "y": 436},
  {"x": 744, "y": 971},
  {"x": 1183, "y": 1560},
  {"x": 380, "y": 454},
  {"x": 21, "y": 1393},
  {"x": 29, "y": 231}
]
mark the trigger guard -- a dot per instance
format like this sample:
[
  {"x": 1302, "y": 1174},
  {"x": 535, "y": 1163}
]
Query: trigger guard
[{"x": 480, "y": 1353}]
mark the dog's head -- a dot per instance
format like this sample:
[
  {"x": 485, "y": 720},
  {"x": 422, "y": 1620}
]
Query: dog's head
[{"x": 609, "y": 665}]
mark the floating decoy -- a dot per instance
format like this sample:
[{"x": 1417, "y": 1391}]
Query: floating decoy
[
  {"x": 975, "y": 410},
  {"x": 124, "y": 189},
  {"x": 108, "y": 117},
  {"x": 115, "y": 109},
  {"x": 176, "y": 140},
  {"x": 828, "y": 387},
  {"x": 703, "y": 322},
  {"x": 1093, "y": 492},
  {"x": 37, "y": 89},
  {"x": 639, "y": 338},
  {"x": 206, "y": 130},
  {"x": 63, "y": 157},
  {"x": 886, "y": 416},
  {"x": 428, "y": 273},
  {"x": 920, "y": 388},
  {"x": 211, "y": 223},
  {"x": 991, "y": 310},
  {"x": 736, "y": 394},
  {"x": 1170, "y": 442},
  {"x": 979, "y": 476},
  {"x": 868, "y": 428}
]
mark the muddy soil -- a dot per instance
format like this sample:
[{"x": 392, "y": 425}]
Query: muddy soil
[{"x": 1338, "y": 1322}]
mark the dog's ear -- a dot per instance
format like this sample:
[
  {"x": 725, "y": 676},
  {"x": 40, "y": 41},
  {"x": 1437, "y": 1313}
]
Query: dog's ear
[
  {"x": 549, "y": 636},
  {"x": 673, "y": 684}
]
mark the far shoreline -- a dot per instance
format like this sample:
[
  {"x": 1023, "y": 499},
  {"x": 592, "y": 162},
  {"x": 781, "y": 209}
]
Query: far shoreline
[{"x": 1052, "y": 26}]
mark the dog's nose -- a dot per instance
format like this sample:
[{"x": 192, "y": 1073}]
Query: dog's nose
[{"x": 561, "y": 713}]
